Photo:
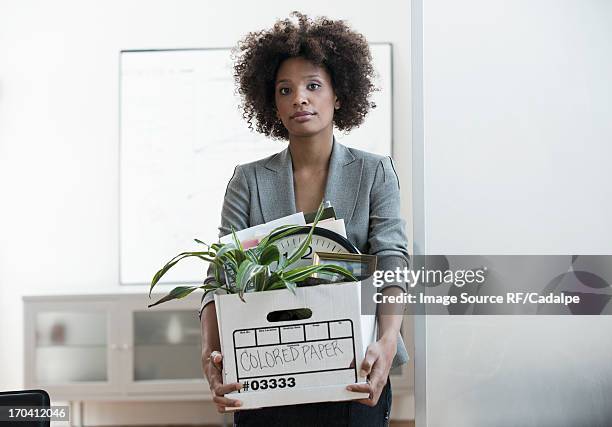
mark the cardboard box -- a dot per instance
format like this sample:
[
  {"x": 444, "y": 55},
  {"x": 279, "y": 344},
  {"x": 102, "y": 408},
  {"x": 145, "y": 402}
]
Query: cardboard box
[{"x": 294, "y": 361}]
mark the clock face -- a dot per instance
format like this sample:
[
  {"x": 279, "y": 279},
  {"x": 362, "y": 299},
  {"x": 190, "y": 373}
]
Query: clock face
[{"x": 323, "y": 240}]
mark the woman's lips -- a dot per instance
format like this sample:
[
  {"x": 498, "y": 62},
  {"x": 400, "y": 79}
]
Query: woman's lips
[{"x": 302, "y": 116}]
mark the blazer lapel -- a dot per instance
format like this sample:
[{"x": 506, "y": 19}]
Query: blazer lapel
[
  {"x": 275, "y": 186},
  {"x": 343, "y": 181}
]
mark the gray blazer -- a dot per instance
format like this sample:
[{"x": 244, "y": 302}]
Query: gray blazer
[{"x": 362, "y": 187}]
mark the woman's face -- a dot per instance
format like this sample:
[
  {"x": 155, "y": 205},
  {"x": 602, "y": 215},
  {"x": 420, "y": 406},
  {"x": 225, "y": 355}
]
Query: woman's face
[{"x": 305, "y": 98}]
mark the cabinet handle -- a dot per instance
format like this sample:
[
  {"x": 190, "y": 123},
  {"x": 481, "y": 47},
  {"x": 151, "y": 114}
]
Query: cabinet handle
[
  {"x": 113, "y": 346},
  {"x": 125, "y": 346}
]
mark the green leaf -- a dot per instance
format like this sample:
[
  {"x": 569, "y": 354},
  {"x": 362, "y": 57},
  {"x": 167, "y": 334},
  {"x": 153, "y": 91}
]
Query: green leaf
[
  {"x": 268, "y": 238},
  {"x": 235, "y": 239},
  {"x": 241, "y": 281},
  {"x": 276, "y": 285},
  {"x": 201, "y": 242},
  {"x": 205, "y": 256},
  {"x": 269, "y": 255},
  {"x": 292, "y": 286},
  {"x": 336, "y": 269},
  {"x": 226, "y": 248},
  {"x": 217, "y": 267},
  {"x": 228, "y": 260},
  {"x": 239, "y": 256},
  {"x": 287, "y": 230},
  {"x": 271, "y": 280},
  {"x": 300, "y": 273},
  {"x": 251, "y": 255},
  {"x": 301, "y": 250},
  {"x": 176, "y": 293},
  {"x": 246, "y": 272},
  {"x": 260, "y": 279}
]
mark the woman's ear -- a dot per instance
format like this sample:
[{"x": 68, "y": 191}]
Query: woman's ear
[{"x": 337, "y": 104}]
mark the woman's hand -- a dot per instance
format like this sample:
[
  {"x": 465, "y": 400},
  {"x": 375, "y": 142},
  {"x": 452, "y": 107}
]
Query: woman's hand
[
  {"x": 213, "y": 368},
  {"x": 376, "y": 366}
]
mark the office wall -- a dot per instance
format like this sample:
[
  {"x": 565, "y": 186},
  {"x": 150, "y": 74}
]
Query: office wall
[
  {"x": 512, "y": 127},
  {"x": 59, "y": 129}
]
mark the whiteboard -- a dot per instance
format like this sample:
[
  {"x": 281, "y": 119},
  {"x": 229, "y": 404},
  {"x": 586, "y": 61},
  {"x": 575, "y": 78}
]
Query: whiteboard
[{"x": 181, "y": 135}]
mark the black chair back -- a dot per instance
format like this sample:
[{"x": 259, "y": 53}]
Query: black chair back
[{"x": 37, "y": 398}]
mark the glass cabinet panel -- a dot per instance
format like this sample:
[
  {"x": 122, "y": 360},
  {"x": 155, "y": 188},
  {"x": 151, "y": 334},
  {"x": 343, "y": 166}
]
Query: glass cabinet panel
[
  {"x": 166, "y": 345},
  {"x": 71, "y": 347}
]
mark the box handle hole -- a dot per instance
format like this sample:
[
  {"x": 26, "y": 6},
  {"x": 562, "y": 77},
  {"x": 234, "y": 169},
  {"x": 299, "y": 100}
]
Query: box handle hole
[{"x": 288, "y": 315}]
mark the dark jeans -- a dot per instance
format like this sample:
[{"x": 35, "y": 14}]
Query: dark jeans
[{"x": 326, "y": 414}]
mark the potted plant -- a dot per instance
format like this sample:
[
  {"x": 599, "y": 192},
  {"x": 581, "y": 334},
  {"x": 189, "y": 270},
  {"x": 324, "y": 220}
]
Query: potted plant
[{"x": 257, "y": 269}]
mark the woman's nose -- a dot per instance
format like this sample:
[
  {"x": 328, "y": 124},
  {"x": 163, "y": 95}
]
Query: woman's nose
[{"x": 300, "y": 98}]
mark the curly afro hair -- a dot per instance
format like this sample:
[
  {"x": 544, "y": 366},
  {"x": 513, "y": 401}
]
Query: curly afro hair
[{"x": 332, "y": 44}]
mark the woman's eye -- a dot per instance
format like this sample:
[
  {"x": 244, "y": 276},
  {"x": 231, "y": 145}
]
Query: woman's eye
[
  {"x": 313, "y": 86},
  {"x": 283, "y": 90}
]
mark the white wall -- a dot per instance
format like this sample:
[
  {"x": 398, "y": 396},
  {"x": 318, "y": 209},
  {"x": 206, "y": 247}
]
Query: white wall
[
  {"x": 59, "y": 128},
  {"x": 512, "y": 127},
  {"x": 517, "y": 122}
]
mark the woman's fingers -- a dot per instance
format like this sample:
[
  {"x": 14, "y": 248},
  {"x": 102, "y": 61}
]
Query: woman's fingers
[
  {"x": 225, "y": 401},
  {"x": 364, "y": 388},
  {"x": 212, "y": 364},
  {"x": 369, "y": 360},
  {"x": 216, "y": 384},
  {"x": 373, "y": 387},
  {"x": 360, "y": 388},
  {"x": 374, "y": 393},
  {"x": 223, "y": 389},
  {"x": 221, "y": 401},
  {"x": 217, "y": 359},
  {"x": 375, "y": 368}
]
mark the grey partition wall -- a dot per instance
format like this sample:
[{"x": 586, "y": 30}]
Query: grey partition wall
[{"x": 511, "y": 140}]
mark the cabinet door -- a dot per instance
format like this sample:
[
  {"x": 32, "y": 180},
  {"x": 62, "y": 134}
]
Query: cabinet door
[
  {"x": 165, "y": 344},
  {"x": 68, "y": 348}
]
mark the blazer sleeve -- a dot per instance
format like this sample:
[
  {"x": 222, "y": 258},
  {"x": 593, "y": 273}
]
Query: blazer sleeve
[
  {"x": 387, "y": 238},
  {"x": 234, "y": 213}
]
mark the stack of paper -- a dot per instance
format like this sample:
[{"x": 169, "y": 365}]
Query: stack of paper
[
  {"x": 251, "y": 236},
  {"x": 254, "y": 234}
]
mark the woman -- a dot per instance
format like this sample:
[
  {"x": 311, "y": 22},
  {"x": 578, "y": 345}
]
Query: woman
[{"x": 297, "y": 81}]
